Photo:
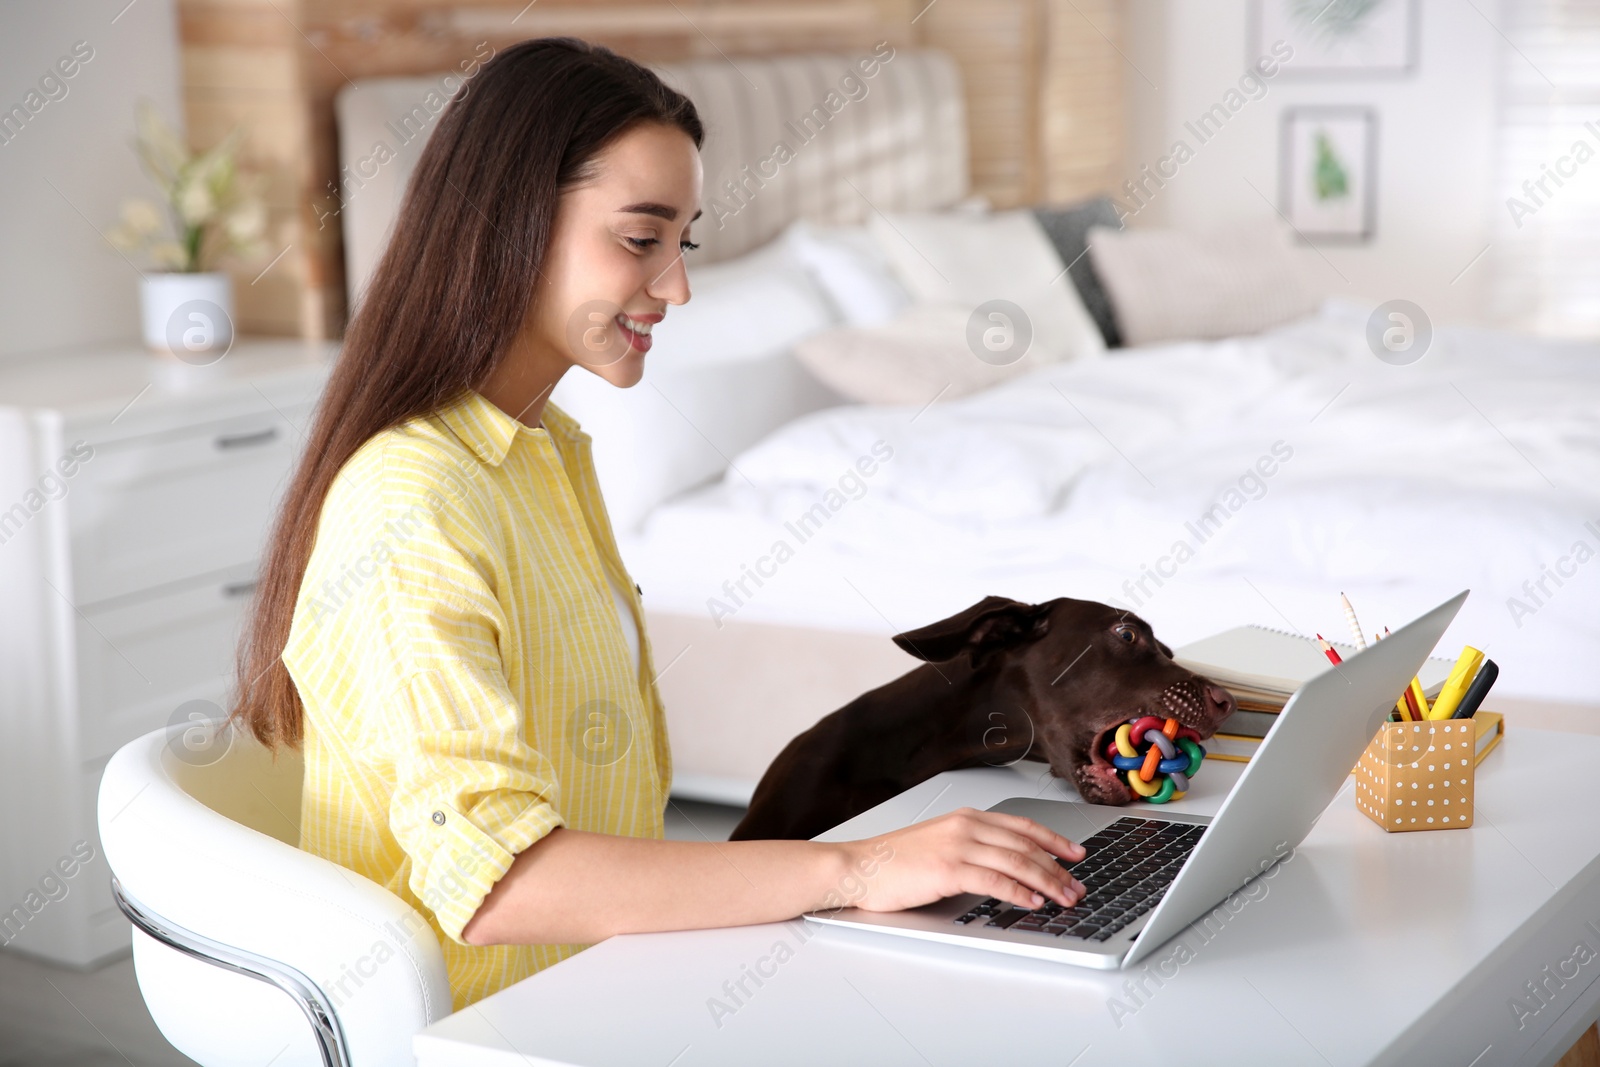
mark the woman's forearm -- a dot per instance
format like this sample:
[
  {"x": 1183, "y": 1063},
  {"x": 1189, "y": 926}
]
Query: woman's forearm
[{"x": 576, "y": 887}]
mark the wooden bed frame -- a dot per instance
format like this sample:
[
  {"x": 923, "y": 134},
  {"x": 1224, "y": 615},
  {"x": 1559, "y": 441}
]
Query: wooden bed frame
[{"x": 1043, "y": 83}]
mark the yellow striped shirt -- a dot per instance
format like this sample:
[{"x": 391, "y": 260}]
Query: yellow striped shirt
[{"x": 466, "y": 680}]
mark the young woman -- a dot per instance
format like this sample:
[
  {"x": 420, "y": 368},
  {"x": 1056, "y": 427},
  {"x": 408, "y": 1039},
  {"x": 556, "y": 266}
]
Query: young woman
[{"x": 444, "y": 625}]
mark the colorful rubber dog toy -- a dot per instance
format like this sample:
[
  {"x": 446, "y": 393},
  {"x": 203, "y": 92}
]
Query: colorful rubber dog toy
[{"x": 1156, "y": 758}]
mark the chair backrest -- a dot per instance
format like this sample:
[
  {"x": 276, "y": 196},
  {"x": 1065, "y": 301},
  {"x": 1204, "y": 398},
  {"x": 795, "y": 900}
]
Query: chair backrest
[
  {"x": 201, "y": 838},
  {"x": 238, "y": 779}
]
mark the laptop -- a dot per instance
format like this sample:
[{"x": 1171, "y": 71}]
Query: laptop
[{"x": 1150, "y": 873}]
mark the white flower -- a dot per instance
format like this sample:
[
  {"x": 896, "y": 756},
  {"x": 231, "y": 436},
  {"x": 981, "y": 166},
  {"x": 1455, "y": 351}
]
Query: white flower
[
  {"x": 204, "y": 192},
  {"x": 194, "y": 201},
  {"x": 246, "y": 223},
  {"x": 168, "y": 255},
  {"x": 141, "y": 216}
]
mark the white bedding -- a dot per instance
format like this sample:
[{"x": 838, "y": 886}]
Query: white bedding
[{"x": 1477, "y": 467}]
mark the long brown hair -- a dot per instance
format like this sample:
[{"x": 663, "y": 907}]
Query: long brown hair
[{"x": 449, "y": 294}]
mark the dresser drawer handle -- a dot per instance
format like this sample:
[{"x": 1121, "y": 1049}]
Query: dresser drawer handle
[
  {"x": 247, "y": 440},
  {"x": 238, "y": 589}
]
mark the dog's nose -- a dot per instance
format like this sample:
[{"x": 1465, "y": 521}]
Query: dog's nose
[{"x": 1219, "y": 702}]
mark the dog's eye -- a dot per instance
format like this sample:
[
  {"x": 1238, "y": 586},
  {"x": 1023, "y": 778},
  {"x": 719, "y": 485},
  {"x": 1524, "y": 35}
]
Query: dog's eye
[{"x": 1126, "y": 633}]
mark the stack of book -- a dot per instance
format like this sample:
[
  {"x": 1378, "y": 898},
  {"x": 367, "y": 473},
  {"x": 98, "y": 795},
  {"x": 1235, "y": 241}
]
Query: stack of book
[{"x": 1262, "y": 668}]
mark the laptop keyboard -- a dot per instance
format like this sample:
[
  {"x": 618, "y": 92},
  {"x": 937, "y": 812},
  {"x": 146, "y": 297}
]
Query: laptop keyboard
[{"x": 1126, "y": 871}]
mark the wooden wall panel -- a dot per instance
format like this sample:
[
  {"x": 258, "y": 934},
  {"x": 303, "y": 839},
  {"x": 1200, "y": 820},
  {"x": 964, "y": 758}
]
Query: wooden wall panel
[
  {"x": 1083, "y": 124},
  {"x": 1042, "y": 77},
  {"x": 995, "y": 43},
  {"x": 241, "y": 68}
]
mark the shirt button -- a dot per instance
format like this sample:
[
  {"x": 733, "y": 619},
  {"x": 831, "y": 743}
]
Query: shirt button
[{"x": 438, "y": 818}]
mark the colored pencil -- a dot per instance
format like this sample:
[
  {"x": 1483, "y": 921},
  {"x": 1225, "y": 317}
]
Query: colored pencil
[
  {"x": 1355, "y": 624},
  {"x": 1329, "y": 651}
]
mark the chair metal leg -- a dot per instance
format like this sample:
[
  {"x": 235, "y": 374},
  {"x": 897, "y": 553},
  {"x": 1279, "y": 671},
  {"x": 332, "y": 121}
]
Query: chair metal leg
[{"x": 304, "y": 992}]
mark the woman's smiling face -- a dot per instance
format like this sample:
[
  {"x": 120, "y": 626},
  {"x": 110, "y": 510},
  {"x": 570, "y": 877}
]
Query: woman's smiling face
[{"x": 616, "y": 254}]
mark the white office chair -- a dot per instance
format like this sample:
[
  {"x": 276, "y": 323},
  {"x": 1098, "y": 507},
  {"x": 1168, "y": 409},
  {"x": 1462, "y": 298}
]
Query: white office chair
[{"x": 247, "y": 949}]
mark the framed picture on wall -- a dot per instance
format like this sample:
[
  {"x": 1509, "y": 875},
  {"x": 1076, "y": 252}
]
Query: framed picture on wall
[
  {"x": 1338, "y": 38},
  {"x": 1328, "y": 172}
]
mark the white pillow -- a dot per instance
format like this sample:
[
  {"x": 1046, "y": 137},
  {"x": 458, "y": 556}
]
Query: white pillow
[
  {"x": 749, "y": 307},
  {"x": 970, "y": 258},
  {"x": 1168, "y": 285},
  {"x": 846, "y": 263},
  {"x": 922, "y": 354},
  {"x": 676, "y": 429}
]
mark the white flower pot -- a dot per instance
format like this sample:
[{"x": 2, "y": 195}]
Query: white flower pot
[{"x": 188, "y": 317}]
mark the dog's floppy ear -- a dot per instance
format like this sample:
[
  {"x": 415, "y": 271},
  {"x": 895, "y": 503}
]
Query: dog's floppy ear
[{"x": 994, "y": 622}]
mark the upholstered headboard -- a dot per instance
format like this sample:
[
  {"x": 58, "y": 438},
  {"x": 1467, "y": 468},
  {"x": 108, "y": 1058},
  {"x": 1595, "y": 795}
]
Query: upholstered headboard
[{"x": 810, "y": 136}]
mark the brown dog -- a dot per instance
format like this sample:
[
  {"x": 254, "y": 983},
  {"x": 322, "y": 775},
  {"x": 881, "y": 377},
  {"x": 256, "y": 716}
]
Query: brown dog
[{"x": 1002, "y": 681}]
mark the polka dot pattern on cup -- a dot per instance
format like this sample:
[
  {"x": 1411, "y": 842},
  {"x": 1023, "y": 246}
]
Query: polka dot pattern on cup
[{"x": 1405, "y": 780}]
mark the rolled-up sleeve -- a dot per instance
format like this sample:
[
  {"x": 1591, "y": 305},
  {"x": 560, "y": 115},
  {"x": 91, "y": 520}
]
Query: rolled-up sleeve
[
  {"x": 471, "y": 790},
  {"x": 470, "y": 793}
]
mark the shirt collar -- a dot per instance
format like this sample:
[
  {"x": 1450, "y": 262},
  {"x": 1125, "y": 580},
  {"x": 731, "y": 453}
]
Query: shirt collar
[{"x": 490, "y": 432}]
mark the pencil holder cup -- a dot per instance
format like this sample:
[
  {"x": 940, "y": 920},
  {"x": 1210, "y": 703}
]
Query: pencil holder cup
[{"x": 1418, "y": 776}]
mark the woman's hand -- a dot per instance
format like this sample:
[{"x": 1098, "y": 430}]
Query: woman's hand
[{"x": 965, "y": 851}]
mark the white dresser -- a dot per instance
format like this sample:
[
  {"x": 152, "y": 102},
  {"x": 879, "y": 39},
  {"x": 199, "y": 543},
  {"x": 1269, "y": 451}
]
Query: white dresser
[{"x": 135, "y": 496}]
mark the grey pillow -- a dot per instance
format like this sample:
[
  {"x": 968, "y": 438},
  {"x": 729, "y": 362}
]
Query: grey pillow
[{"x": 1067, "y": 226}]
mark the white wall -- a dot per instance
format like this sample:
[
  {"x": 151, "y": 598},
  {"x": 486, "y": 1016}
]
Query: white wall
[
  {"x": 60, "y": 284},
  {"x": 1435, "y": 146}
]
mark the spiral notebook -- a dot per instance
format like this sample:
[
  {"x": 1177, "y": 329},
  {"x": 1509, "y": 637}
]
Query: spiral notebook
[
  {"x": 1258, "y": 661},
  {"x": 1262, "y": 668}
]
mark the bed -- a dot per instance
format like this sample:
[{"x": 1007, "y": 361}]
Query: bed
[
  {"x": 781, "y": 532},
  {"x": 1138, "y": 480}
]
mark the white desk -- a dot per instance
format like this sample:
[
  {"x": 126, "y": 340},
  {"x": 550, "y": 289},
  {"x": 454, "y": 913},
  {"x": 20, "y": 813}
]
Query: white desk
[{"x": 1323, "y": 967}]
